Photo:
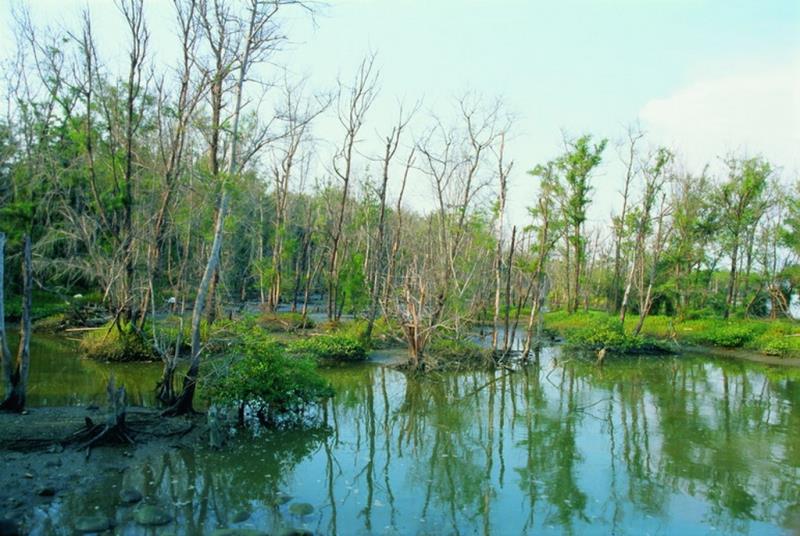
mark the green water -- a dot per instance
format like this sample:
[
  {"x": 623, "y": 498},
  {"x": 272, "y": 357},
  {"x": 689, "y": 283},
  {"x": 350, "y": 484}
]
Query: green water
[
  {"x": 60, "y": 377},
  {"x": 690, "y": 445}
]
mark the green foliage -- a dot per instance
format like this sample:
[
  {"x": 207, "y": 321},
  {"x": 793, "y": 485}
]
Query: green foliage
[
  {"x": 260, "y": 374},
  {"x": 353, "y": 284},
  {"x": 44, "y": 304},
  {"x": 330, "y": 347},
  {"x": 728, "y": 335},
  {"x": 384, "y": 332},
  {"x": 771, "y": 337},
  {"x": 116, "y": 343},
  {"x": 447, "y": 349},
  {"x": 605, "y": 333},
  {"x": 51, "y": 324},
  {"x": 283, "y": 322}
]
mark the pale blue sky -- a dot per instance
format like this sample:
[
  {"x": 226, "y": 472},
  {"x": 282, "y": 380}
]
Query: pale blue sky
[{"x": 706, "y": 77}]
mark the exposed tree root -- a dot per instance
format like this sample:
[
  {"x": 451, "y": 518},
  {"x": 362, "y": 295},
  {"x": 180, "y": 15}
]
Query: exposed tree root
[
  {"x": 114, "y": 431},
  {"x": 99, "y": 434}
]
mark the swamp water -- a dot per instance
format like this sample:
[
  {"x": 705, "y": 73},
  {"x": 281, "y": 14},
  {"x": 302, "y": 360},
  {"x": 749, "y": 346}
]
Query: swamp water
[{"x": 689, "y": 445}]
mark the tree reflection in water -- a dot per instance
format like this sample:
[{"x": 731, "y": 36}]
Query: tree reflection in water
[{"x": 644, "y": 445}]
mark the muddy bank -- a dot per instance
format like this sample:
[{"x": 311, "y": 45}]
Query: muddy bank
[
  {"x": 38, "y": 464},
  {"x": 746, "y": 355}
]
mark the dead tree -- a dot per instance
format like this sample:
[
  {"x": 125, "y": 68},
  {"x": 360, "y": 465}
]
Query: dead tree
[
  {"x": 503, "y": 172},
  {"x": 619, "y": 222},
  {"x": 353, "y": 103},
  {"x": 259, "y": 31},
  {"x": 378, "y": 265},
  {"x": 297, "y": 114},
  {"x": 4, "y": 350},
  {"x": 16, "y": 375},
  {"x": 173, "y": 120},
  {"x": 113, "y": 430}
]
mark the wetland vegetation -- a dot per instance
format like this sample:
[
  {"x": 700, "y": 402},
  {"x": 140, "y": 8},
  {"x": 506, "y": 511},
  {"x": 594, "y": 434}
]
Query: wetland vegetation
[{"x": 221, "y": 311}]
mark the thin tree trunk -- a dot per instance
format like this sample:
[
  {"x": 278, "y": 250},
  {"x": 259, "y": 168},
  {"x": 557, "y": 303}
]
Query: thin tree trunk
[
  {"x": 16, "y": 378},
  {"x": 732, "y": 277},
  {"x": 506, "y": 322},
  {"x": 6, "y": 353},
  {"x": 184, "y": 402}
]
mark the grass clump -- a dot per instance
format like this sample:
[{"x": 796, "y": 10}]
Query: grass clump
[
  {"x": 259, "y": 374},
  {"x": 52, "y": 323},
  {"x": 728, "y": 335},
  {"x": 461, "y": 349},
  {"x": 608, "y": 333},
  {"x": 384, "y": 332},
  {"x": 120, "y": 342},
  {"x": 779, "y": 337},
  {"x": 332, "y": 347},
  {"x": 284, "y": 322}
]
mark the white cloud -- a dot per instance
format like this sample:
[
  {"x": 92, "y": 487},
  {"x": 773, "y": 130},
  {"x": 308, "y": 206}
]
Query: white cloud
[{"x": 756, "y": 111}]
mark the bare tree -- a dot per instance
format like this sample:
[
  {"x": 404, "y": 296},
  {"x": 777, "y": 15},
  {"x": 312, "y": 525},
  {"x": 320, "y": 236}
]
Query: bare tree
[
  {"x": 16, "y": 376},
  {"x": 634, "y": 136},
  {"x": 503, "y": 172},
  {"x": 260, "y": 35},
  {"x": 392, "y": 142},
  {"x": 352, "y": 103}
]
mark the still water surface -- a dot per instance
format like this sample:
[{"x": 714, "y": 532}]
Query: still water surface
[{"x": 689, "y": 445}]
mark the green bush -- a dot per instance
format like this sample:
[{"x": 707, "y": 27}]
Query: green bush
[
  {"x": 258, "y": 373},
  {"x": 727, "y": 335},
  {"x": 457, "y": 349},
  {"x": 780, "y": 347},
  {"x": 43, "y": 304},
  {"x": 280, "y": 322},
  {"x": 604, "y": 332},
  {"x": 384, "y": 332},
  {"x": 52, "y": 323},
  {"x": 116, "y": 343},
  {"x": 330, "y": 347}
]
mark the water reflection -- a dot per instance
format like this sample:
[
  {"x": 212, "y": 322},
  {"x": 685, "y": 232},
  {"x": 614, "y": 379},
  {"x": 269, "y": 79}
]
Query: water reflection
[
  {"x": 59, "y": 376},
  {"x": 679, "y": 446}
]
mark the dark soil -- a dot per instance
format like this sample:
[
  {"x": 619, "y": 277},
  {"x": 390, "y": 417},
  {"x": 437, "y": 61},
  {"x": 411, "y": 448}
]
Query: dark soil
[{"x": 39, "y": 463}]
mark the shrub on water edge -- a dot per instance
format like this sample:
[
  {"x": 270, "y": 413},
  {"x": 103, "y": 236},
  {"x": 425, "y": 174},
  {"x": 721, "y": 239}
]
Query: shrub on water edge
[
  {"x": 52, "y": 323},
  {"x": 605, "y": 332},
  {"x": 280, "y": 322},
  {"x": 384, "y": 332},
  {"x": 727, "y": 335},
  {"x": 257, "y": 372},
  {"x": 329, "y": 347},
  {"x": 116, "y": 343},
  {"x": 457, "y": 349}
]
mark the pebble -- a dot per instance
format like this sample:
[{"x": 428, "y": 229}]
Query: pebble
[
  {"x": 241, "y": 515},
  {"x": 301, "y": 509},
  {"x": 130, "y": 496},
  {"x": 238, "y": 532},
  {"x": 151, "y": 516},
  {"x": 94, "y": 523},
  {"x": 46, "y": 491}
]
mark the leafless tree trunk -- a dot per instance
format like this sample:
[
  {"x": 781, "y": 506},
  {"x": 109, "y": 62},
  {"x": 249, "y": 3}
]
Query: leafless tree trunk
[
  {"x": 4, "y": 349},
  {"x": 134, "y": 17},
  {"x": 16, "y": 376},
  {"x": 647, "y": 301},
  {"x": 507, "y": 319},
  {"x": 502, "y": 177},
  {"x": 258, "y": 38},
  {"x": 619, "y": 226},
  {"x": 353, "y": 104},
  {"x": 377, "y": 268}
]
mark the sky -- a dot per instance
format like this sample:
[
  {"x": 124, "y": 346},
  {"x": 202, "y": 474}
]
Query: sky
[{"x": 706, "y": 78}]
